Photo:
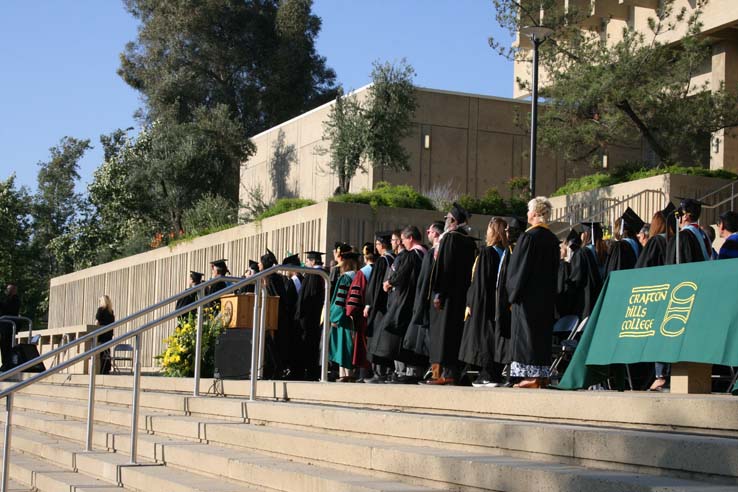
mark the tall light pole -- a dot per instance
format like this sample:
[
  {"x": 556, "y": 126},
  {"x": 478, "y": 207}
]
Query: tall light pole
[{"x": 537, "y": 35}]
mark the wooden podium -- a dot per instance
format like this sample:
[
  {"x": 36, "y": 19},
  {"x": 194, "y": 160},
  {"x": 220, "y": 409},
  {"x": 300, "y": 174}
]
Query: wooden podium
[{"x": 237, "y": 311}]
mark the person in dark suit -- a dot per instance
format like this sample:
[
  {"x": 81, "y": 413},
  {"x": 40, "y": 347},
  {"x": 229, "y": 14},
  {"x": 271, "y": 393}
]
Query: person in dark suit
[
  {"x": 10, "y": 306},
  {"x": 103, "y": 317}
]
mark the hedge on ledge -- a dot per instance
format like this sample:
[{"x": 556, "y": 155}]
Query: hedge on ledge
[
  {"x": 285, "y": 205},
  {"x": 632, "y": 173},
  {"x": 492, "y": 203},
  {"x": 387, "y": 195}
]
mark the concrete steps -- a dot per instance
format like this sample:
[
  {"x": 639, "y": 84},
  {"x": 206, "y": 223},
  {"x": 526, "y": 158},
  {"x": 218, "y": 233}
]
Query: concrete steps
[
  {"x": 656, "y": 452},
  {"x": 704, "y": 414},
  {"x": 307, "y": 446}
]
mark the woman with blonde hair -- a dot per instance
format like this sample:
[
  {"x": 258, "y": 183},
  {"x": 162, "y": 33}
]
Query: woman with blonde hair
[
  {"x": 531, "y": 284},
  {"x": 478, "y": 341},
  {"x": 104, "y": 317}
]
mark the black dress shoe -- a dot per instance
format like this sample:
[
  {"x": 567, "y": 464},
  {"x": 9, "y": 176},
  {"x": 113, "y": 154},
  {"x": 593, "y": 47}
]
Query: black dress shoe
[
  {"x": 405, "y": 380},
  {"x": 375, "y": 380}
]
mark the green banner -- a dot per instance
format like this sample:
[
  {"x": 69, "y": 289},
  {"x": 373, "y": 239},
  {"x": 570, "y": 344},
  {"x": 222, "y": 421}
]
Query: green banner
[{"x": 674, "y": 313}]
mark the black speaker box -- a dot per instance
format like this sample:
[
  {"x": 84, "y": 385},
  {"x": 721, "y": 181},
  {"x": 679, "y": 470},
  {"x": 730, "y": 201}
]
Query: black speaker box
[
  {"x": 233, "y": 354},
  {"x": 23, "y": 352}
]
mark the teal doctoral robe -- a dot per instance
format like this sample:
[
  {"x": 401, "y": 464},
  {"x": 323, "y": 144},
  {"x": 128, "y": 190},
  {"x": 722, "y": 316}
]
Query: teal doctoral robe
[{"x": 341, "y": 340}]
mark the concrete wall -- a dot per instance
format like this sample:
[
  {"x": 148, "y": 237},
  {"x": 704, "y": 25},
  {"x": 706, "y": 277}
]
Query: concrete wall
[
  {"x": 474, "y": 144},
  {"x": 141, "y": 280}
]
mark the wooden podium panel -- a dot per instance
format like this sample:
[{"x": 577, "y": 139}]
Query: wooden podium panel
[{"x": 237, "y": 311}]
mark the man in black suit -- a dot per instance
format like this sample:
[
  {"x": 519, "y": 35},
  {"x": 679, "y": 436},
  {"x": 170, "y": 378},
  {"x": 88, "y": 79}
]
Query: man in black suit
[{"x": 10, "y": 306}]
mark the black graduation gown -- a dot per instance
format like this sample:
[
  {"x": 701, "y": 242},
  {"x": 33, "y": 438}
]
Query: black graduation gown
[
  {"x": 416, "y": 343},
  {"x": 654, "y": 253},
  {"x": 564, "y": 297},
  {"x": 278, "y": 347},
  {"x": 335, "y": 274},
  {"x": 386, "y": 341},
  {"x": 584, "y": 283},
  {"x": 376, "y": 297},
  {"x": 688, "y": 246},
  {"x": 503, "y": 317},
  {"x": 293, "y": 340},
  {"x": 477, "y": 342},
  {"x": 531, "y": 283},
  {"x": 212, "y": 289},
  {"x": 308, "y": 326},
  {"x": 449, "y": 282},
  {"x": 620, "y": 256},
  {"x": 188, "y": 299}
]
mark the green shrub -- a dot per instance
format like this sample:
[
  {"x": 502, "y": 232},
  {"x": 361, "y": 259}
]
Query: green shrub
[
  {"x": 633, "y": 172},
  {"x": 209, "y": 213},
  {"x": 387, "y": 195},
  {"x": 284, "y": 205},
  {"x": 492, "y": 203},
  {"x": 585, "y": 183}
]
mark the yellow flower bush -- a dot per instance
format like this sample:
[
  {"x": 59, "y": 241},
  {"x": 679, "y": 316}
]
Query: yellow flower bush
[{"x": 178, "y": 360}]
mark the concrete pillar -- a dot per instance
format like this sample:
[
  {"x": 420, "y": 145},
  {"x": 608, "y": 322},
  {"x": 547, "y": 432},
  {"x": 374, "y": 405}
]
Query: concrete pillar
[{"x": 724, "y": 143}]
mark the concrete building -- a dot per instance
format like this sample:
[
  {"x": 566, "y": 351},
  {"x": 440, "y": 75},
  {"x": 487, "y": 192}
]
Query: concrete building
[
  {"x": 467, "y": 142},
  {"x": 608, "y": 18}
]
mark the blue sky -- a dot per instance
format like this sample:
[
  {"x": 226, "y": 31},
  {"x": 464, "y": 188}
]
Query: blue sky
[{"x": 59, "y": 62}]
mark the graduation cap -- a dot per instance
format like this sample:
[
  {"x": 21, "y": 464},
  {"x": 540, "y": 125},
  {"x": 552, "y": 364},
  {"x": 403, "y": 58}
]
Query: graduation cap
[
  {"x": 292, "y": 260},
  {"x": 573, "y": 238},
  {"x": 459, "y": 213},
  {"x": 516, "y": 223},
  {"x": 631, "y": 221},
  {"x": 350, "y": 255},
  {"x": 368, "y": 249},
  {"x": 196, "y": 276},
  {"x": 669, "y": 210},
  {"x": 690, "y": 206},
  {"x": 220, "y": 265},
  {"x": 384, "y": 237},
  {"x": 593, "y": 226},
  {"x": 268, "y": 259},
  {"x": 316, "y": 256},
  {"x": 254, "y": 266},
  {"x": 342, "y": 247},
  {"x": 669, "y": 217}
]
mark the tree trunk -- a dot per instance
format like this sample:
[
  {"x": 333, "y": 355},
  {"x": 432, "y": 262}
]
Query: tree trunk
[{"x": 660, "y": 151}]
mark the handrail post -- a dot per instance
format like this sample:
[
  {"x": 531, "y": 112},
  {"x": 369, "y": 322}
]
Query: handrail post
[
  {"x": 198, "y": 347},
  {"x": 91, "y": 399},
  {"x": 136, "y": 398},
  {"x": 262, "y": 328},
  {"x": 6, "y": 440},
  {"x": 255, "y": 342},
  {"x": 326, "y": 331}
]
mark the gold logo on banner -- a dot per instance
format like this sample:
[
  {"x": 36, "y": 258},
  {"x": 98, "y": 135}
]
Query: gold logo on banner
[
  {"x": 637, "y": 324},
  {"x": 679, "y": 309}
]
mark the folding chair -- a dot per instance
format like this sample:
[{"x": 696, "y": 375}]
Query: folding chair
[
  {"x": 569, "y": 344},
  {"x": 122, "y": 352},
  {"x": 732, "y": 381}
]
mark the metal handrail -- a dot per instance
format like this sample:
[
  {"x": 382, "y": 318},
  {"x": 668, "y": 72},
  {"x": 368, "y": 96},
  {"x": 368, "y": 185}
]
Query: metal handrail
[
  {"x": 104, "y": 329},
  {"x": 730, "y": 185},
  {"x": 731, "y": 198},
  {"x": 9, "y": 393},
  {"x": 594, "y": 216}
]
